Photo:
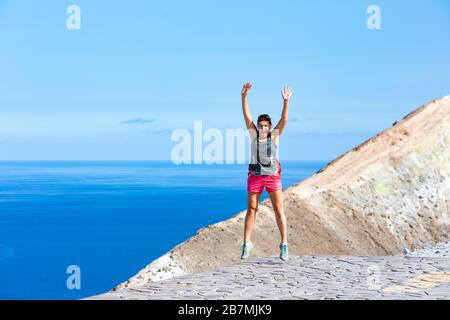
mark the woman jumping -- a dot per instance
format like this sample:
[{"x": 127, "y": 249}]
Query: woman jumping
[{"x": 264, "y": 169}]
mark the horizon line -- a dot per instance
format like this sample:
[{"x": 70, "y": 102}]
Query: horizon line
[{"x": 141, "y": 160}]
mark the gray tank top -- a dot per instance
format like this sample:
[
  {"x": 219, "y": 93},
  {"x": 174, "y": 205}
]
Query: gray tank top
[{"x": 269, "y": 164}]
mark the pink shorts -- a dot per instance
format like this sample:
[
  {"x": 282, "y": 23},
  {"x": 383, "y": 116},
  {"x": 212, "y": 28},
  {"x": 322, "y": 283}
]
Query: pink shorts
[{"x": 256, "y": 183}]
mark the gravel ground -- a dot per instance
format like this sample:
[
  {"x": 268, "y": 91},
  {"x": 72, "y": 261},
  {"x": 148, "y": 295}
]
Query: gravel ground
[{"x": 441, "y": 249}]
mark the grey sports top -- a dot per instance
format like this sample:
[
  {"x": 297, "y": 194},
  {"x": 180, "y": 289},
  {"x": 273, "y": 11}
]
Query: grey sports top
[{"x": 267, "y": 160}]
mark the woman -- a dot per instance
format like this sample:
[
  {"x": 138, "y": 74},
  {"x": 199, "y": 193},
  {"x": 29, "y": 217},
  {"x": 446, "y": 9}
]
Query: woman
[{"x": 264, "y": 169}]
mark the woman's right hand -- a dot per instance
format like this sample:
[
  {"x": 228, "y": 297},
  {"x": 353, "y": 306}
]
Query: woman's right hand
[{"x": 245, "y": 89}]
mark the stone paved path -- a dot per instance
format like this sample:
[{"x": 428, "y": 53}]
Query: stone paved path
[{"x": 307, "y": 277}]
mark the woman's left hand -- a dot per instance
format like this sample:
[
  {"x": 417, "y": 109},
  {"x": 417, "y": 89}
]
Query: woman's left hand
[{"x": 286, "y": 93}]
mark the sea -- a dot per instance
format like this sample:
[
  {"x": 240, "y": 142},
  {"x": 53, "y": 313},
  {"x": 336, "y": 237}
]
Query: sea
[{"x": 73, "y": 229}]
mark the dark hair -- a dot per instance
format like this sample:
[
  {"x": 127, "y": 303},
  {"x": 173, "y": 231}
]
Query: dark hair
[{"x": 264, "y": 117}]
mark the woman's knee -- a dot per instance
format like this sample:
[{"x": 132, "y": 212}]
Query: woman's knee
[
  {"x": 278, "y": 210},
  {"x": 252, "y": 210}
]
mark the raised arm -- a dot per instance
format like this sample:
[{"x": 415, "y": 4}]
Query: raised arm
[
  {"x": 245, "y": 108},
  {"x": 286, "y": 94}
]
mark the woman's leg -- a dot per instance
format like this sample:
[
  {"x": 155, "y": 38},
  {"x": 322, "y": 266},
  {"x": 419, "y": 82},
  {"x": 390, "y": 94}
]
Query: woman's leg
[
  {"x": 277, "y": 203},
  {"x": 250, "y": 217}
]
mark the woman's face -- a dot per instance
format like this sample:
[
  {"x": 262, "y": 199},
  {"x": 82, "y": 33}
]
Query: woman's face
[{"x": 264, "y": 128}]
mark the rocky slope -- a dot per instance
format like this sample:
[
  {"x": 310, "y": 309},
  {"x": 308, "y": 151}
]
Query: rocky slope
[{"x": 390, "y": 192}]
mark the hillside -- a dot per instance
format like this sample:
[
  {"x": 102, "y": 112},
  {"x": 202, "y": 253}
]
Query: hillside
[{"x": 390, "y": 192}]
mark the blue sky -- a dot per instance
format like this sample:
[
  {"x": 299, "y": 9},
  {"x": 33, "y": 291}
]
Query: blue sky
[{"x": 137, "y": 70}]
